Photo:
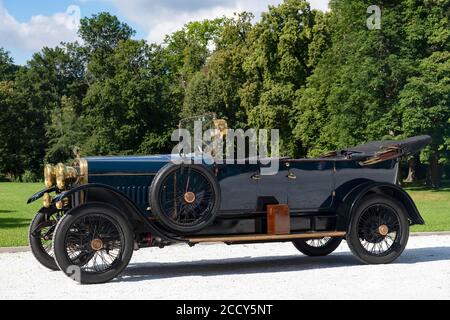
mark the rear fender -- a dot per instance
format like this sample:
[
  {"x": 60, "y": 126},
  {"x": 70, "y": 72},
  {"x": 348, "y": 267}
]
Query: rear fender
[{"x": 350, "y": 202}]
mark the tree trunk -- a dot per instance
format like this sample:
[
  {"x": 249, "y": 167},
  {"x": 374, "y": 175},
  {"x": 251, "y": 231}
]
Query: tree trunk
[
  {"x": 412, "y": 165},
  {"x": 435, "y": 172}
]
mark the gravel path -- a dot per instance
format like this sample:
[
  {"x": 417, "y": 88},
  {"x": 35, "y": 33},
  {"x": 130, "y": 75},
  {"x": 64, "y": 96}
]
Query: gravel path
[{"x": 257, "y": 271}]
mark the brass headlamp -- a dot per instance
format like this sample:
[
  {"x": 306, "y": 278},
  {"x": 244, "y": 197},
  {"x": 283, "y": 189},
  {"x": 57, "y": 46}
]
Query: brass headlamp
[
  {"x": 47, "y": 200},
  {"x": 49, "y": 175},
  {"x": 62, "y": 175},
  {"x": 65, "y": 175}
]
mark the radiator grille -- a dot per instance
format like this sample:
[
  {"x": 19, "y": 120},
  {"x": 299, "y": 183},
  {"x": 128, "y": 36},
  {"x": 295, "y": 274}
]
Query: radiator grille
[{"x": 138, "y": 194}]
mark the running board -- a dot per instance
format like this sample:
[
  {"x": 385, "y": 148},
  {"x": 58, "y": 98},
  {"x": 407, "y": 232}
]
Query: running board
[{"x": 267, "y": 237}]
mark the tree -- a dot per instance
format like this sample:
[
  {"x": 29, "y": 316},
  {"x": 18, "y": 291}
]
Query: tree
[
  {"x": 427, "y": 32},
  {"x": 277, "y": 67},
  {"x": 12, "y": 158},
  {"x": 52, "y": 74},
  {"x": 7, "y": 67},
  {"x": 215, "y": 88},
  {"x": 323, "y": 78},
  {"x": 424, "y": 107},
  {"x": 101, "y": 34},
  {"x": 132, "y": 109},
  {"x": 189, "y": 48},
  {"x": 66, "y": 131},
  {"x": 49, "y": 76},
  {"x": 357, "y": 81}
]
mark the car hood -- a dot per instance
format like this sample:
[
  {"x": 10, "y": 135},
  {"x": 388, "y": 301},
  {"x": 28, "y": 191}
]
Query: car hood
[
  {"x": 126, "y": 164},
  {"x": 130, "y": 164}
]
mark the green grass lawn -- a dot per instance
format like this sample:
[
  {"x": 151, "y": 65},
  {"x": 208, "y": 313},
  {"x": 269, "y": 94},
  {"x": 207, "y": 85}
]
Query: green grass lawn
[
  {"x": 434, "y": 206},
  {"x": 15, "y": 214}
]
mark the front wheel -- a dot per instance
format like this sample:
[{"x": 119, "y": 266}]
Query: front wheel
[
  {"x": 40, "y": 238},
  {"x": 379, "y": 230},
  {"x": 317, "y": 247},
  {"x": 93, "y": 243}
]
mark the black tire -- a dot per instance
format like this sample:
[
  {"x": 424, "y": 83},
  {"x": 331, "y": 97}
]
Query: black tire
[
  {"x": 364, "y": 237},
  {"x": 77, "y": 230},
  {"x": 40, "y": 236},
  {"x": 317, "y": 247},
  {"x": 168, "y": 197}
]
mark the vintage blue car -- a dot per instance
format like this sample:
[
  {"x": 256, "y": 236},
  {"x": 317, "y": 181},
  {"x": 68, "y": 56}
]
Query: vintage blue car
[{"x": 99, "y": 210}]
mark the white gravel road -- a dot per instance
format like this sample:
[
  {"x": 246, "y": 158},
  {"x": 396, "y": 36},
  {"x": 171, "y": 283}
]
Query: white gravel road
[{"x": 257, "y": 271}]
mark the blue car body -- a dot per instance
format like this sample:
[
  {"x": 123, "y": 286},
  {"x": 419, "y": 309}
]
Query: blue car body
[{"x": 321, "y": 193}]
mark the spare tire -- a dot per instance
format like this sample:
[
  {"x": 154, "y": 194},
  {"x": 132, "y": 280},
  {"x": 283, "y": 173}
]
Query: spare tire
[{"x": 184, "y": 198}]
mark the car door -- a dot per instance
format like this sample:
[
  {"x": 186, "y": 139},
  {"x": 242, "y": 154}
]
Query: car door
[
  {"x": 238, "y": 186},
  {"x": 310, "y": 184},
  {"x": 275, "y": 185}
]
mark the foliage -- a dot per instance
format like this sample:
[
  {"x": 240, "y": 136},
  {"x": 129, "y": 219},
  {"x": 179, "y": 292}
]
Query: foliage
[
  {"x": 30, "y": 177},
  {"x": 323, "y": 78},
  {"x": 377, "y": 84},
  {"x": 12, "y": 155},
  {"x": 7, "y": 67},
  {"x": 277, "y": 67},
  {"x": 125, "y": 110},
  {"x": 65, "y": 131},
  {"x": 215, "y": 87},
  {"x": 103, "y": 32}
]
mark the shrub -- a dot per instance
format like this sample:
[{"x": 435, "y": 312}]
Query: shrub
[{"x": 29, "y": 176}]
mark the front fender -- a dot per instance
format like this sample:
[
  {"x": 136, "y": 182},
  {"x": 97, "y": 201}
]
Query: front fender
[
  {"x": 97, "y": 192},
  {"x": 39, "y": 194},
  {"x": 353, "y": 197}
]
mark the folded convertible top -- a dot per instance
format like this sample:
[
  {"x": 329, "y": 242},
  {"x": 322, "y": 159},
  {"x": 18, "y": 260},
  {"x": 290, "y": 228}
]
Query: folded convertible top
[
  {"x": 377, "y": 151},
  {"x": 408, "y": 146}
]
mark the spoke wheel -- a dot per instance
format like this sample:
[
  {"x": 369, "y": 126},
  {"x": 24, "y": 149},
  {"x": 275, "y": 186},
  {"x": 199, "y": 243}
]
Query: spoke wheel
[
  {"x": 317, "y": 247},
  {"x": 379, "y": 230},
  {"x": 93, "y": 243},
  {"x": 185, "y": 198},
  {"x": 318, "y": 243},
  {"x": 41, "y": 239}
]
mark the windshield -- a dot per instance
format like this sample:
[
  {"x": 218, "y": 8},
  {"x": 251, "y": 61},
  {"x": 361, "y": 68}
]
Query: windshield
[
  {"x": 207, "y": 122},
  {"x": 209, "y": 140}
]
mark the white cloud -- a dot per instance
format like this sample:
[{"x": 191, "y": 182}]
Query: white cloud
[
  {"x": 319, "y": 4},
  {"x": 39, "y": 31},
  {"x": 155, "y": 17},
  {"x": 161, "y": 17}
]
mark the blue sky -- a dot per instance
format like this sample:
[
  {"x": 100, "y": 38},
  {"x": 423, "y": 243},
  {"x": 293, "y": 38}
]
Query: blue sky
[{"x": 28, "y": 25}]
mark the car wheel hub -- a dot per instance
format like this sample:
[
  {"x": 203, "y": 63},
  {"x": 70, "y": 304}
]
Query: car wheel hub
[
  {"x": 189, "y": 197},
  {"x": 383, "y": 230},
  {"x": 97, "y": 244}
]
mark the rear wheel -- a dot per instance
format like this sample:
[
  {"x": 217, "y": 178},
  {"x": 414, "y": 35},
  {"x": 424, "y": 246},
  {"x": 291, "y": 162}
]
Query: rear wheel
[
  {"x": 317, "y": 247},
  {"x": 379, "y": 230},
  {"x": 93, "y": 243}
]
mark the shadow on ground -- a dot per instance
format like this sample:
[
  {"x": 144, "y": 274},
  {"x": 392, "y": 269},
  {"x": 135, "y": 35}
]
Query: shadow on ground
[
  {"x": 13, "y": 223},
  {"x": 270, "y": 264}
]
